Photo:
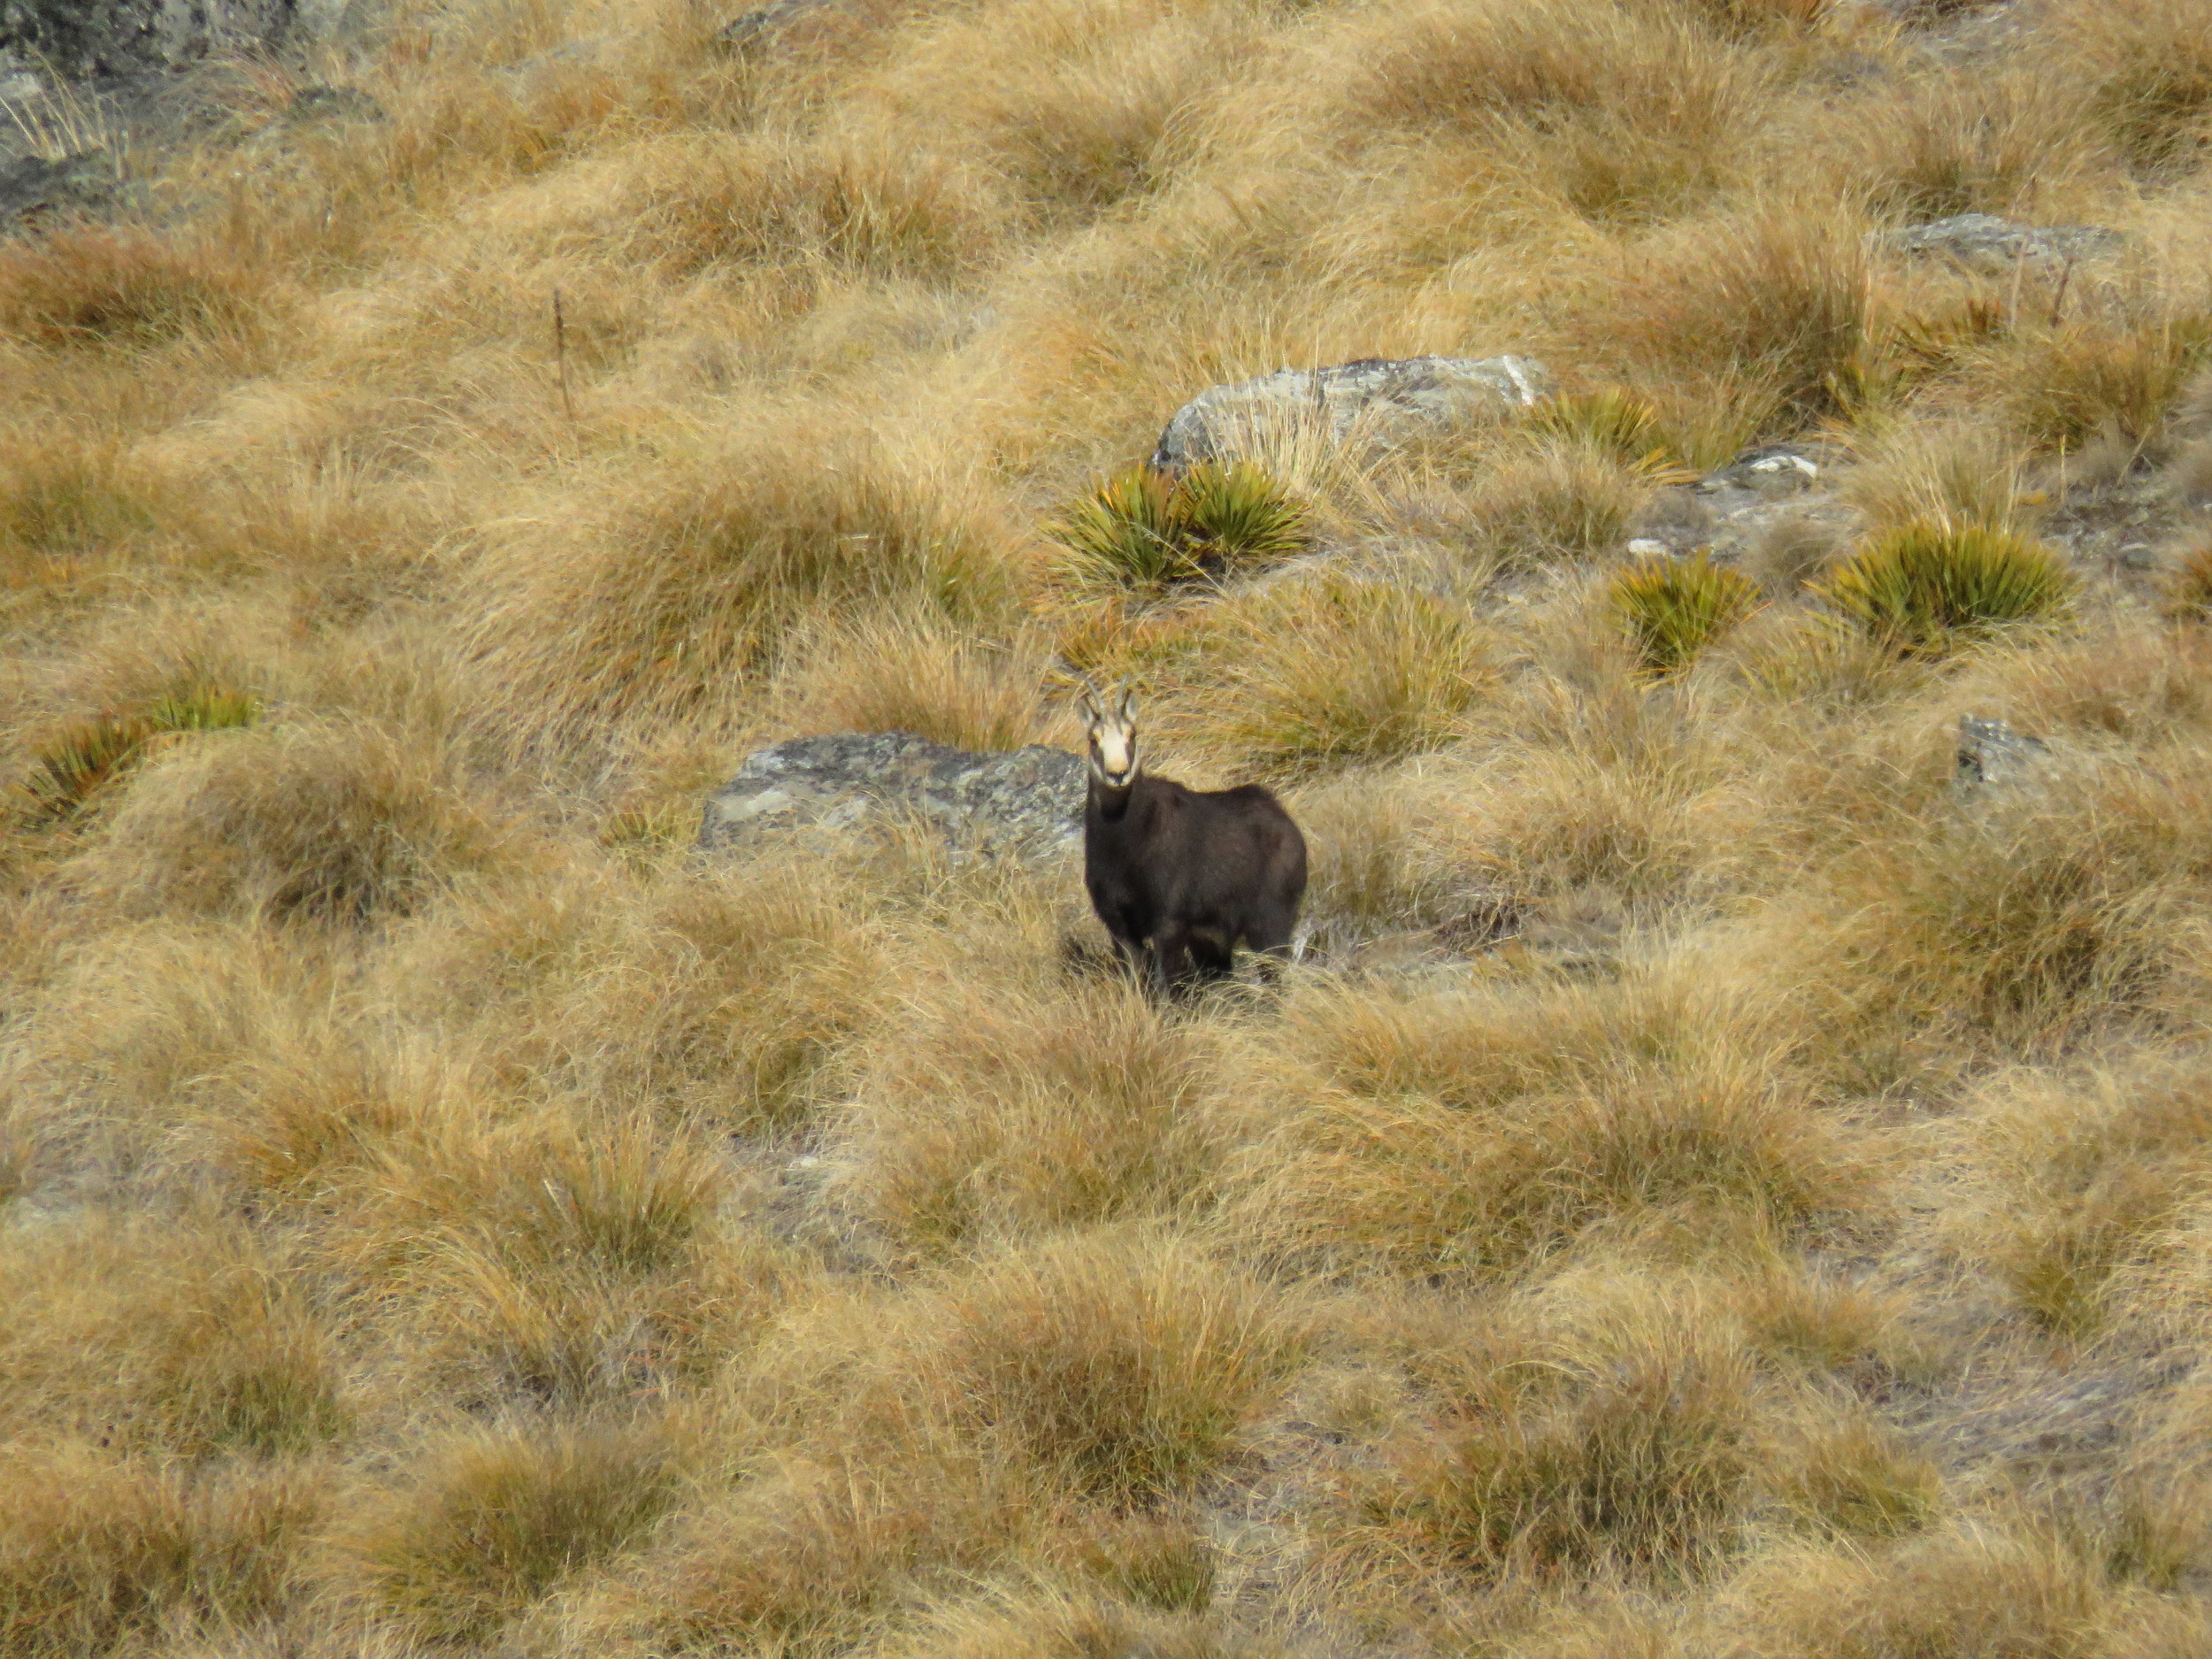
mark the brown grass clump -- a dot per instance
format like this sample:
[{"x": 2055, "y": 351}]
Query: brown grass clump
[
  {"x": 1774, "y": 306},
  {"x": 501, "y": 1515},
  {"x": 2080, "y": 1182},
  {"x": 2045, "y": 919},
  {"x": 1338, "y": 669},
  {"x": 1446, "y": 1135},
  {"x": 2188, "y": 595},
  {"x": 90, "y": 286},
  {"x": 670, "y": 594},
  {"x": 898, "y": 674},
  {"x": 1001, "y": 1117},
  {"x": 188, "y": 1345},
  {"x": 1123, "y": 1365},
  {"x": 335, "y": 824},
  {"x": 98, "y": 1551},
  {"x": 1630, "y": 1448}
]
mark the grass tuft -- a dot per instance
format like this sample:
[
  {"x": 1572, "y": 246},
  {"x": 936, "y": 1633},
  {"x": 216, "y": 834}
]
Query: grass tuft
[
  {"x": 499, "y": 1516},
  {"x": 1146, "y": 528},
  {"x": 96, "y": 286},
  {"x": 1926, "y": 586},
  {"x": 76, "y": 764},
  {"x": 1339, "y": 670},
  {"x": 1671, "y": 609}
]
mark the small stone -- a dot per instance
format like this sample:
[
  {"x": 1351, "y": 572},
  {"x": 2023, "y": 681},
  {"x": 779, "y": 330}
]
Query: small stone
[
  {"x": 1644, "y": 548},
  {"x": 1767, "y": 472},
  {"x": 1991, "y": 753}
]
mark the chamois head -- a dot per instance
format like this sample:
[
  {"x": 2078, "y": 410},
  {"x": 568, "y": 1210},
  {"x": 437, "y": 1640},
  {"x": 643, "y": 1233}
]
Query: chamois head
[{"x": 1113, "y": 735}]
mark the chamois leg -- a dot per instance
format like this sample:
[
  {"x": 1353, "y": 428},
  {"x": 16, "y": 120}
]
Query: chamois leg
[
  {"x": 1171, "y": 957},
  {"x": 1270, "y": 938},
  {"x": 1212, "y": 956},
  {"x": 1133, "y": 958}
]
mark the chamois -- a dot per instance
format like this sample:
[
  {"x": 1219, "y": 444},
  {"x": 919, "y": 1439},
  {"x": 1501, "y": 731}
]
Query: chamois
[{"x": 1182, "y": 876}]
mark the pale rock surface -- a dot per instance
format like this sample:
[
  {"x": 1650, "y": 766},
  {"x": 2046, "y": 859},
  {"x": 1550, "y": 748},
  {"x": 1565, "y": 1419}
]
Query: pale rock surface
[
  {"x": 1028, "y": 803},
  {"x": 1393, "y": 398}
]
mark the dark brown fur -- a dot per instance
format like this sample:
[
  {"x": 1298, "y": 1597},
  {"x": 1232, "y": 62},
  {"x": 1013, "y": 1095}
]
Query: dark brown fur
[{"x": 1182, "y": 877}]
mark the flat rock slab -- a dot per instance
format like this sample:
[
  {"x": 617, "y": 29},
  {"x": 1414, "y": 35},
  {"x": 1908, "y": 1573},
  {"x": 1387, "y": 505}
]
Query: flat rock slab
[
  {"x": 1026, "y": 803},
  {"x": 1993, "y": 246},
  {"x": 1395, "y": 398}
]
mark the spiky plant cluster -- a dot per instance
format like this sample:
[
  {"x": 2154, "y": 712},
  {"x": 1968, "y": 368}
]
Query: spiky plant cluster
[
  {"x": 1924, "y": 585},
  {"x": 84, "y": 756},
  {"x": 1671, "y": 609},
  {"x": 1612, "y": 420},
  {"x": 1145, "y": 527}
]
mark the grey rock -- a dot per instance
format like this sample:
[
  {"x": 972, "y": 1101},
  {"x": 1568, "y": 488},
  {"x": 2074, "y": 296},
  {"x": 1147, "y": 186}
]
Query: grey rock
[
  {"x": 1026, "y": 803},
  {"x": 1991, "y": 753},
  {"x": 332, "y": 104},
  {"x": 1777, "y": 470},
  {"x": 754, "y": 28},
  {"x": 31, "y": 184},
  {"x": 1395, "y": 398},
  {"x": 84, "y": 40},
  {"x": 1991, "y": 245}
]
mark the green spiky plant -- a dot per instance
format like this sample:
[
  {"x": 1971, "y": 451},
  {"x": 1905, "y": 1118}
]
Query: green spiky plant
[
  {"x": 1671, "y": 609},
  {"x": 1147, "y": 528},
  {"x": 72, "y": 767},
  {"x": 1926, "y": 585}
]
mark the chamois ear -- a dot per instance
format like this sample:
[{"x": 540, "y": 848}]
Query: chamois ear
[
  {"x": 1127, "y": 706},
  {"x": 1086, "y": 702}
]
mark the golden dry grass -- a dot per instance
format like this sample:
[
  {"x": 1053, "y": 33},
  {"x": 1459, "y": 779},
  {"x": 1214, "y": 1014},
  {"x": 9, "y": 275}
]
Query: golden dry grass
[{"x": 1709, "y": 1186}]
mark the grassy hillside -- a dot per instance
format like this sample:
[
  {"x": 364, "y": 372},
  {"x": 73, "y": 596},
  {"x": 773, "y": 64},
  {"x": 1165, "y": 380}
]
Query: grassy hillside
[{"x": 1709, "y": 1190}]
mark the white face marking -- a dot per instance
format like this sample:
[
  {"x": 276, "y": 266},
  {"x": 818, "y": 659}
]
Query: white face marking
[{"x": 1113, "y": 741}]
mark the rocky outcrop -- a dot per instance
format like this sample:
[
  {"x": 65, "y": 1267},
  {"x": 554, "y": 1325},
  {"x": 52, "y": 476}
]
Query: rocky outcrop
[
  {"x": 1392, "y": 398},
  {"x": 1026, "y": 803},
  {"x": 85, "y": 40},
  {"x": 1984, "y": 242}
]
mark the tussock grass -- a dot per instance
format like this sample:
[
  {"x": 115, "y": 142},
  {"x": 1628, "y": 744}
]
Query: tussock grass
[
  {"x": 674, "y": 590},
  {"x": 1669, "y": 609},
  {"x": 1638, "y": 1458},
  {"x": 98, "y": 1551},
  {"x": 188, "y": 1345},
  {"x": 501, "y": 1515},
  {"x": 1123, "y": 1366},
  {"x": 1923, "y": 585},
  {"x": 95, "y": 286},
  {"x": 1337, "y": 669},
  {"x": 1448, "y": 1135},
  {"x": 329, "y": 823},
  {"x": 1000, "y": 1117}
]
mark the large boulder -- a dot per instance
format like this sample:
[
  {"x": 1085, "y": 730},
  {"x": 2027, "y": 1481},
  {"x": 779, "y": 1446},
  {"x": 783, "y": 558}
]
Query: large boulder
[
  {"x": 1395, "y": 398},
  {"x": 1026, "y": 803},
  {"x": 1993, "y": 246}
]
